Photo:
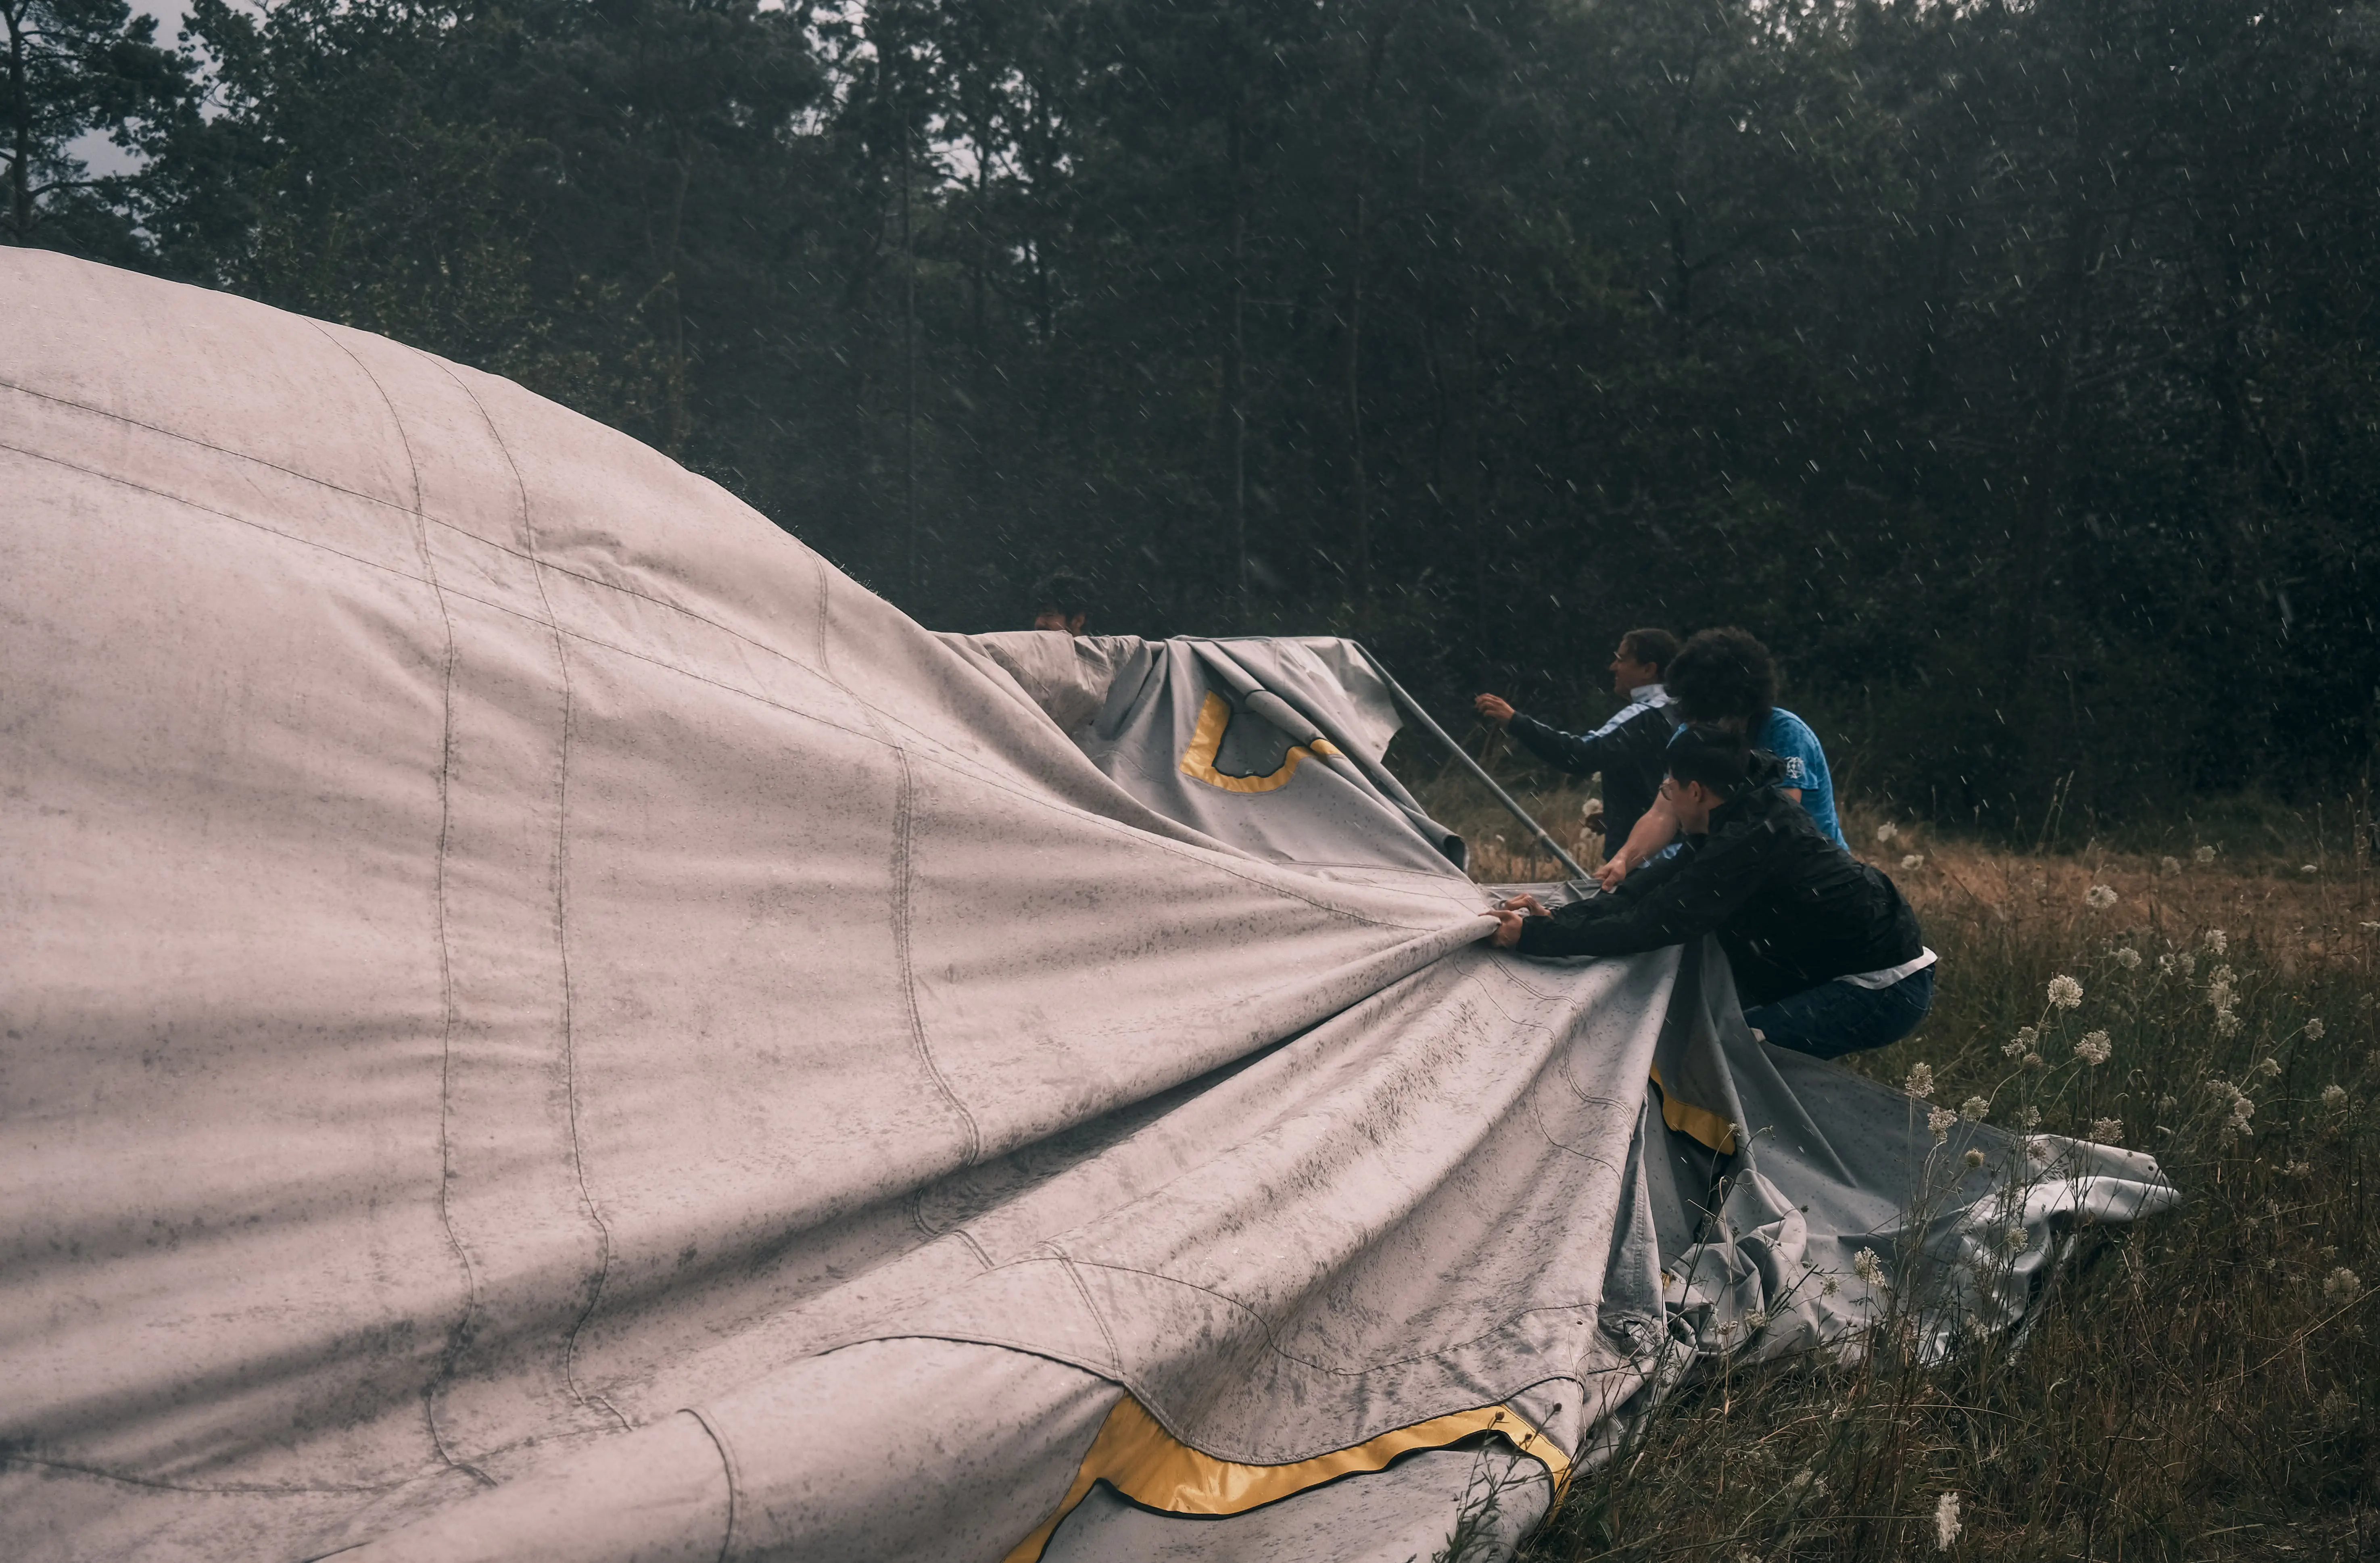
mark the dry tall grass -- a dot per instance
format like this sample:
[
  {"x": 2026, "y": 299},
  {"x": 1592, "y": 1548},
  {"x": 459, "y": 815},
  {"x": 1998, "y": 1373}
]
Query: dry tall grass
[{"x": 2208, "y": 1385}]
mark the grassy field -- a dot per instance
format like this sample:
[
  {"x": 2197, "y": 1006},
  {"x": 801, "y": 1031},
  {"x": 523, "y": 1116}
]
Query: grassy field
[{"x": 2208, "y": 1386}]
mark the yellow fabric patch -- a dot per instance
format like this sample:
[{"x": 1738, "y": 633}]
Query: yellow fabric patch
[
  {"x": 1705, "y": 1125},
  {"x": 1149, "y": 1465},
  {"x": 1199, "y": 760}
]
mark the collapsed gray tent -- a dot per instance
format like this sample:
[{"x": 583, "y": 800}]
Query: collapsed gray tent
[{"x": 544, "y": 1020}]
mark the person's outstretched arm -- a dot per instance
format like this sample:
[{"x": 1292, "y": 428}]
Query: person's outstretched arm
[
  {"x": 1657, "y": 830},
  {"x": 1684, "y": 897},
  {"x": 1579, "y": 754}
]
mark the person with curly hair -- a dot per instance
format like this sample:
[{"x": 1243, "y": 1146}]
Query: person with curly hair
[
  {"x": 1061, "y": 602},
  {"x": 1725, "y": 678}
]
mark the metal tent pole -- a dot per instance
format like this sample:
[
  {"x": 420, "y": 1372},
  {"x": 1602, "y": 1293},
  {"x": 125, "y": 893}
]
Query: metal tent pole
[{"x": 1413, "y": 708}]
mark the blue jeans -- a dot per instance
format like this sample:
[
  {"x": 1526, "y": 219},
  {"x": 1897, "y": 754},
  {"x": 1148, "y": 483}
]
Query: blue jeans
[{"x": 1835, "y": 1018}]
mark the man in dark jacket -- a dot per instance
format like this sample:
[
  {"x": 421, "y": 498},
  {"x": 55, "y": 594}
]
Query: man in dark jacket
[
  {"x": 1627, "y": 749},
  {"x": 1826, "y": 955}
]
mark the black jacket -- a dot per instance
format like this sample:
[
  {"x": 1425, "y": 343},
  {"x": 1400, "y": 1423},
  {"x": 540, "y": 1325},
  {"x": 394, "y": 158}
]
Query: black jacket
[
  {"x": 1627, "y": 750},
  {"x": 1791, "y": 908}
]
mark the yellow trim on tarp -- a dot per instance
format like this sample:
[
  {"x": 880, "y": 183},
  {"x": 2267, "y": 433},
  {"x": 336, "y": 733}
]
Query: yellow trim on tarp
[
  {"x": 1199, "y": 760},
  {"x": 1142, "y": 1460},
  {"x": 1705, "y": 1125}
]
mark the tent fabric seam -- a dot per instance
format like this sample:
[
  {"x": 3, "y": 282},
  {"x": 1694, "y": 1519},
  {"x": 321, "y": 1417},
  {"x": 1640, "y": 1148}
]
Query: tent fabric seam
[
  {"x": 1220, "y": 859},
  {"x": 447, "y": 1361},
  {"x": 1090, "y": 1304},
  {"x": 562, "y": 873},
  {"x": 226, "y": 1489},
  {"x": 1594, "y": 1309},
  {"x": 903, "y": 878},
  {"x": 440, "y": 521},
  {"x": 531, "y": 559},
  {"x": 734, "y": 1472},
  {"x": 540, "y": 564}
]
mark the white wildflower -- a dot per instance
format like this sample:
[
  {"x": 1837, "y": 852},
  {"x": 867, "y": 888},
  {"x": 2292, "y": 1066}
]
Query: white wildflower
[
  {"x": 1941, "y": 1121},
  {"x": 2340, "y": 1285},
  {"x": 1975, "y": 1109},
  {"x": 2308, "y": 868},
  {"x": 2217, "y": 941},
  {"x": 2269, "y": 1068},
  {"x": 1885, "y": 833},
  {"x": 2226, "y": 1024},
  {"x": 1974, "y": 1157},
  {"x": 1946, "y": 1521},
  {"x": 2022, "y": 1043},
  {"x": 2170, "y": 865},
  {"x": 2108, "y": 1131},
  {"x": 2129, "y": 958},
  {"x": 2219, "y": 994},
  {"x": 2220, "y": 973},
  {"x": 2094, "y": 1047},
  {"x": 2065, "y": 993},
  {"x": 2334, "y": 1097},
  {"x": 2315, "y": 1029},
  {"x": 2030, "y": 1117},
  {"x": 2205, "y": 855},
  {"x": 1920, "y": 1083},
  {"x": 1865, "y": 1266},
  {"x": 2034, "y": 1061},
  {"x": 1829, "y": 1286},
  {"x": 1912, "y": 860},
  {"x": 2099, "y": 897},
  {"x": 1755, "y": 1321},
  {"x": 2014, "y": 1236}
]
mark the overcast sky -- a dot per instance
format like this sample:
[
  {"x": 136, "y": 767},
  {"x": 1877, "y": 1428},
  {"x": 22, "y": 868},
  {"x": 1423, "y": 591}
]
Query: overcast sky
[{"x": 95, "y": 150}]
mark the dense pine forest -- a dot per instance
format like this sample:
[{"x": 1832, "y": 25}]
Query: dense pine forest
[{"x": 2013, "y": 370}]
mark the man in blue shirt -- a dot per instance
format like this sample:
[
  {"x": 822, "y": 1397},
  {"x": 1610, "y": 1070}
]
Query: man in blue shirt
[{"x": 1725, "y": 678}]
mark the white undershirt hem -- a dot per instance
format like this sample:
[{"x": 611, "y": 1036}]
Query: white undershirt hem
[{"x": 1891, "y": 975}]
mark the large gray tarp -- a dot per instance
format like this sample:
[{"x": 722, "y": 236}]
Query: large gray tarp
[{"x": 544, "y": 1020}]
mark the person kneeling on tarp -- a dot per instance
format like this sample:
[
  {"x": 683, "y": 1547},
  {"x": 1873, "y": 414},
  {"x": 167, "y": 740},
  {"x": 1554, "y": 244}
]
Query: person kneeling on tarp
[{"x": 1826, "y": 955}]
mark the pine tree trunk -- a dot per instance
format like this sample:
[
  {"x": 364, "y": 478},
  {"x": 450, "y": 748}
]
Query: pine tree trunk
[{"x": 1235, "y": 415}]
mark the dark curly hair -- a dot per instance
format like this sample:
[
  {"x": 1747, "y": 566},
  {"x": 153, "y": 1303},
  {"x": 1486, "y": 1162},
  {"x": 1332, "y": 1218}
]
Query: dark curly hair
[
  {"x": 1724, "y": 677},
  {"x": 1717, "y": 757},
  {"x": 1065, "y": 594}
]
